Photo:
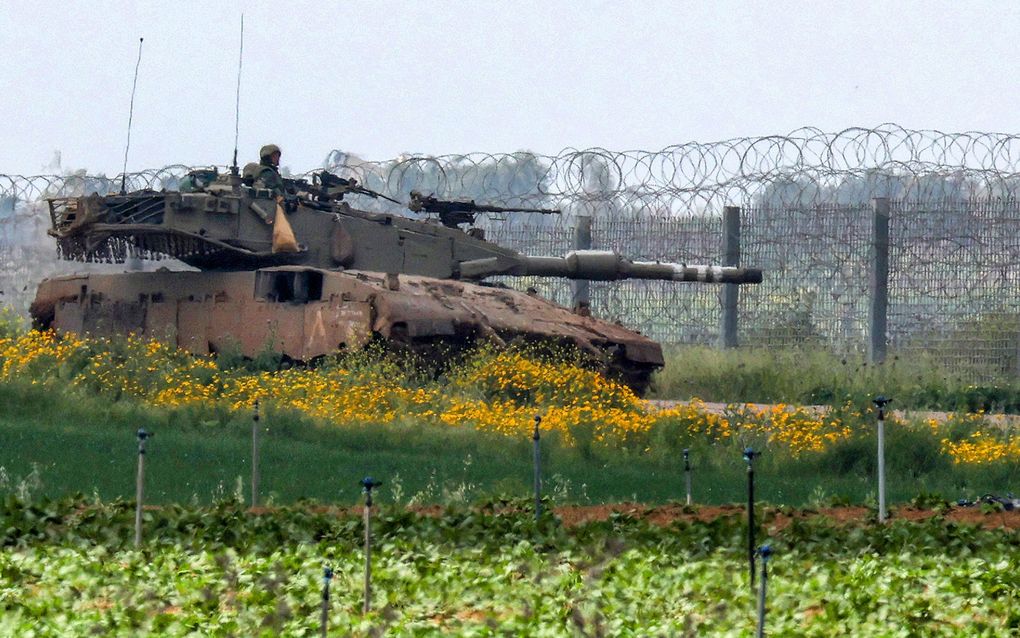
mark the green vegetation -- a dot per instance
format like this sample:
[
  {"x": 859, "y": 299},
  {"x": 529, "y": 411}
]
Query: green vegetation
[
  {"x": 67, "y": 570},
  {"x": 815, "y": 376},
  {"x": 69, "y": 409},
  {"x": 57, "y": 443},
  {"x": 482, "y": 566}
]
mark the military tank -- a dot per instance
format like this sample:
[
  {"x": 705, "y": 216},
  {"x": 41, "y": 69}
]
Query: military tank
[{"x": 306, "y": 274}]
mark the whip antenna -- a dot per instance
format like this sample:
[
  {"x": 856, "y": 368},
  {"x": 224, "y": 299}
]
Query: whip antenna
[
  {"x": 237, "y": 103},
  {"x": 131, "y": 114}
]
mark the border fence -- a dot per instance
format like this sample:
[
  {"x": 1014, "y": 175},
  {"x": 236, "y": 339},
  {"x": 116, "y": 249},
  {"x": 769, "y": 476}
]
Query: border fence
[{"x": 884, "y": 241}]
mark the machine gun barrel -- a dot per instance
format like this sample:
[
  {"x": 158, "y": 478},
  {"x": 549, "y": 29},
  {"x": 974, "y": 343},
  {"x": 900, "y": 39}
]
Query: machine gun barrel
[
  {"x": 485, "y": 208},
  {"x": 429, "y": 204},
  {"x": 328, "y": 187},
  {"x": 604, "y": 265}
]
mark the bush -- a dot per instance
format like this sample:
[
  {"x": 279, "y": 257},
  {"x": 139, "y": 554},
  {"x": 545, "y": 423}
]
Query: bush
[{"x": 815, "y": 376}]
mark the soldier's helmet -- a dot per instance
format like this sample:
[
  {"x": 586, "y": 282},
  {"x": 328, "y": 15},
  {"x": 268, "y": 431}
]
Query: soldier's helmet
[
  {"x": 250, "y": 172},
  {"x": 268, "y": 150}
]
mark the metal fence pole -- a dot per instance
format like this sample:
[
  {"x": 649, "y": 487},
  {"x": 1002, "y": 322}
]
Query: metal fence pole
[
  {"x": 368, "y": 484},
  {"x": 327, "y": 575},
  {"x": 581, "y": 288},
  {"x": 880, "y": 402},
  {"x": 749, "y": 456},
  {"x": 255, "y": 456},
  {"x": 140, "y": 484},
  {"x": 536, "y": 439},
  {"x": 765, "y": 552},
  {"x": 878, "y": 316},
  {"x": 730, "y": 292},
  {"x": 687, "y": 473}
]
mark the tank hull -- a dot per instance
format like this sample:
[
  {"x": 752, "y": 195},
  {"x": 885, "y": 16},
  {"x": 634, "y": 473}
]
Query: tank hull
[{"x": 306, "y": 313}]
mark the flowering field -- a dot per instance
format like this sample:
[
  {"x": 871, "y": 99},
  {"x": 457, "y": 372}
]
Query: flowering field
[{"x": 493, "y": 391}]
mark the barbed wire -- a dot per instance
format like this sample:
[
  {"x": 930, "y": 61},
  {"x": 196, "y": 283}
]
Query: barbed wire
[
  {"x": 807, "y": 213},
  {"x": 804, "y": 167}
]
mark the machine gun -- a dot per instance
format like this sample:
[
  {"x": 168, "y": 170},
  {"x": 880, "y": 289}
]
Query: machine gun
[
  {"x": 453, "y": 213},
  {"x": 327, "y": 187}
]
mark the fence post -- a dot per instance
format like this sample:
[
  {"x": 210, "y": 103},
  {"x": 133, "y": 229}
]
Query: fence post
[
  {"x": 255, "y": 456},
  {"x": 580, "y": 301},
  {"x": 140, "y": 484},
  {"x": 749, "y": 456},
  {"x": 368, "y": 484},
  {"x": 878, "y": 316},
  {"x": 730, "y": 292},
  {"x": 765, "y": 552},
  {"x": 537, "y": 450},
  {"x": 880, "y": 403},
  {"x": 327, "y": 575},
  {"x": 687, "y": 473}
]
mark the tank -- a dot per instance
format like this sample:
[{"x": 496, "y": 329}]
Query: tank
[{"x": 305, "y": 273}]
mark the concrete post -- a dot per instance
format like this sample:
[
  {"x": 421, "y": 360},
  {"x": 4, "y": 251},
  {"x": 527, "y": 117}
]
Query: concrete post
[
  {"x": 878, "y": 315},
  {"x": 730, "y": 292},
  {"x": 580, "y": 300}
]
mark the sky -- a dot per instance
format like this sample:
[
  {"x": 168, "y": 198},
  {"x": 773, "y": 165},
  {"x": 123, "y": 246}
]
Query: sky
[{"x": 383, "y": 78}]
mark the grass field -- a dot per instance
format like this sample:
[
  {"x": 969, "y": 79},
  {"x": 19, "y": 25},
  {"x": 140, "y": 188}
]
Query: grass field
[
  {"x": 69, "y": 409},
  {"x": 67, "y": 444},
  {"x": 815, "y": 376}
]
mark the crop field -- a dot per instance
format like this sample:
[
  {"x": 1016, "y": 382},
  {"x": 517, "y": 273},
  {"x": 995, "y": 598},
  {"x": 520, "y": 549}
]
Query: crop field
[
  {"x": 68, "y": 570},
  {"x": 457, "y": 548}
]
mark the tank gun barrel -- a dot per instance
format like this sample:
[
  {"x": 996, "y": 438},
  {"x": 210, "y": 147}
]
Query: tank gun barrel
[{"x": 604, "y": 265}]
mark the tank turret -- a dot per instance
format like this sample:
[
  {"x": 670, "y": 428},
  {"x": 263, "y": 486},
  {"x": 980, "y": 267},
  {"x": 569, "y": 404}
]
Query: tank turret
[{"x": 228, "y": 226}]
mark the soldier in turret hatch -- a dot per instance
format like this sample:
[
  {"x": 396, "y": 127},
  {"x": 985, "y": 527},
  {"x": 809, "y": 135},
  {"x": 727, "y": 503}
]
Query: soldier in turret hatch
[{"x": 266, "y": 174}]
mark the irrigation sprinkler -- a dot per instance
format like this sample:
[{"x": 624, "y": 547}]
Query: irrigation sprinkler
[
  {"x": 765, "y": 552},
  {"x": 880, "y": 403},
  {"x": 368, "y": 484},
  {"x": 749, "y": 456},
  {"x": 535, "y": 437},
  {"x": 687, "y": 473},
  {"x": 255, "y": 455},
  {"x": 327, "y": 576},
  {"x": 140, "y": 484}
]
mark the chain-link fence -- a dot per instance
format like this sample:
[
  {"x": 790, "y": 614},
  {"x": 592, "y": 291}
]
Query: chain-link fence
[{"x": 807, "y": 216}]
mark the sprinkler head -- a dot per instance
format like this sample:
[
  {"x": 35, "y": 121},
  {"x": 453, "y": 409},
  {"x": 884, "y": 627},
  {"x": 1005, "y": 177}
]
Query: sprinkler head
[
  {"x": 687, "y": 453},
  {"x": 765, "y": 551},
  {"x": 143, "y": 434},
  {"x": 750, "y": 454},
  {"x": 881, "y": 401},
  {"x": 327, "y": 574},
  {"x": 368, "y": 483}
]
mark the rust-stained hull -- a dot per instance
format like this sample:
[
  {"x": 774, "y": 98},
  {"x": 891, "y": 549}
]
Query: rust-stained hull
[{"x": 305, "y": 313}]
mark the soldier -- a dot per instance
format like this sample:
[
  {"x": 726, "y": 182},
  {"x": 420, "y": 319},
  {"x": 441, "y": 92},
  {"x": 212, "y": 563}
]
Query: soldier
[{"x": 268, "y": 173}]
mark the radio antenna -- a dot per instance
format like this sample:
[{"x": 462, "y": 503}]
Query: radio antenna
[
  {"x": 131, "y": 114},
  {"x": 237, "y": 102}
]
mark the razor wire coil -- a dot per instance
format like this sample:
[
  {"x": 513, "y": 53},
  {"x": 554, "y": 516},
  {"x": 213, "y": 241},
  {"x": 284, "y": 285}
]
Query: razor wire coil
[{"x": 806, "y": 199}]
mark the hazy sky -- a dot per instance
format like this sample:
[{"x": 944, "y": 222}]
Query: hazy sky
[{"x": 382, "y": 78}]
